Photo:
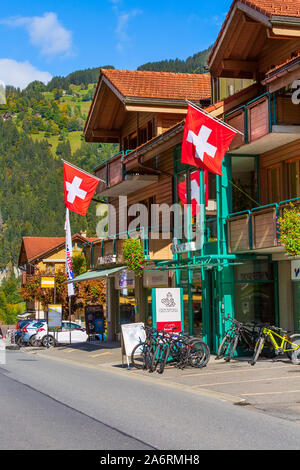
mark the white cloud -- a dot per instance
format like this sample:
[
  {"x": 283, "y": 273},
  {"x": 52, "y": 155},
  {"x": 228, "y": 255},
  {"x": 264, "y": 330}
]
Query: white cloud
[
  {"x": 20, "y": 74},
  {"x": 123, "y": 19},
  {"x": 45, "y": 32}
]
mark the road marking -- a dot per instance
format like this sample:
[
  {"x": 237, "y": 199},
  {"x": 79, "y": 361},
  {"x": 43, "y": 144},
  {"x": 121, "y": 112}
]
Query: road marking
[
  {"x": 269, "y": 393},
  {"x": 99, "y": 354},
  {"x": 245, "y": 381},
  {"x": 251, "y": 368}
]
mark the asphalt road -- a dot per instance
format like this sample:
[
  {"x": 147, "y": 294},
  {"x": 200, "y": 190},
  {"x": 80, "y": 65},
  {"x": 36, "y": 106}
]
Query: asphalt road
[{"x": 48, "y": 404}]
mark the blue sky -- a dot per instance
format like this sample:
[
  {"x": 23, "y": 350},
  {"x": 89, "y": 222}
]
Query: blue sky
[{"x": 44, "y": 39}]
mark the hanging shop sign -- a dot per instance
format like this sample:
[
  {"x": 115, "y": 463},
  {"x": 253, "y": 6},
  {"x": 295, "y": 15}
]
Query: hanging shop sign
[
  {"x": 155, "y": 278},
  {"x": 295, "y": 270},
  {"x": 124, "y": 280},
  {"x": 54, "y": 316},
  {"x": 167, "y": 309}
]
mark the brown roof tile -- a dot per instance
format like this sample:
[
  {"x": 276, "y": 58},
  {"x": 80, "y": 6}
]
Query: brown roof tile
[
  {"x": 160, "y": 85},
  {"x": 36, "y": 246},
  {"x": 268, "y": 8}
]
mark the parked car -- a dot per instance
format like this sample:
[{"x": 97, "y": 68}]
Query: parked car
[
  {"x": 78, "y": 334},
  {"x": 29, "y": 331},
  {"x": 18, "y": 333}
]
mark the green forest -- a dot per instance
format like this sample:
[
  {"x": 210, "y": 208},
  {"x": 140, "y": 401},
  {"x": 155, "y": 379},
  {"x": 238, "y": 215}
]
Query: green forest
[{"x": 39, "y": 126}]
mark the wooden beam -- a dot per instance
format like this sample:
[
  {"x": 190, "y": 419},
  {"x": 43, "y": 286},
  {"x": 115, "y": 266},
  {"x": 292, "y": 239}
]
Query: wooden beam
[
  {"x": 239, "y": 65},
  {"x": 281, "y": 32},
  {"x": 98, "y": 133},
  {"x": 155, "y": 109}
]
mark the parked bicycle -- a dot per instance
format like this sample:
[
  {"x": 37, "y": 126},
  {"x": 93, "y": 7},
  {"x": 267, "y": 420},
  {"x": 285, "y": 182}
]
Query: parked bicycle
[
  {"x": 239, "y": 334},
  {"x": 161, "y": 348},
  {"x": 281, "y": 342}
]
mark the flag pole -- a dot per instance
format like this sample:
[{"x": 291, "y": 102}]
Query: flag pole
[
  {"x": 69, "y": 270},
  {"x": 214, "y": 118}
]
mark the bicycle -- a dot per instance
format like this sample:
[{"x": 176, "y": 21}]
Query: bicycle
[
  {"x": 238, "y": 333},
  {"x": 281, "y": 343},
  {"x": 181, "y": 350},
  {"x": 141, "y": 354}
]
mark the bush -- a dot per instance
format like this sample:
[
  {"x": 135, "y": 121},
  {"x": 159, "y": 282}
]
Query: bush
[{"x": 289, "y": 230}]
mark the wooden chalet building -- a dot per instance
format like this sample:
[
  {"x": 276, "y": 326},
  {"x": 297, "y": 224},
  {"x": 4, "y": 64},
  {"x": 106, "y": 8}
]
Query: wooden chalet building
[
  {"x": 241, "y": 270},
  {"x": 260, "y": 40},
  {"x": 144, "y": 112},
  {"x": 47, "y": 255}
]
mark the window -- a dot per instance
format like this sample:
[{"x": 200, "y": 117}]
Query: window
[
  {"x": 273, "y": 181},
  {"x": 133, "y": 141},
  {"x": 293, "y": 177},
  {"x": 142, "y": 135}
]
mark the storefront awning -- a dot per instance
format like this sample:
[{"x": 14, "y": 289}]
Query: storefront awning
[{"x": 89, "y": 276}]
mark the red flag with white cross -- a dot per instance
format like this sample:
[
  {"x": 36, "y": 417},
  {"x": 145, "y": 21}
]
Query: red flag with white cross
[
  {"x": 79, "y": 188},
  {"x": 205, "y": 141},
  {"x": 195, "y": 191}
]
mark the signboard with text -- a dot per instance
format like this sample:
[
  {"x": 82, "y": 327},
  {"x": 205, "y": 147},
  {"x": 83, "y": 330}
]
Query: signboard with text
[{"x": 167, "y": 309}]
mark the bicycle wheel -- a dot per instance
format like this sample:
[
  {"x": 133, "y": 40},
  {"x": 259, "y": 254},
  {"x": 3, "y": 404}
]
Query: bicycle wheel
[
  {"x": 257, "y": 351},
  {"x": 296, "y": 340},
  {"x": 199, "y": 354},
  {"x": 164, "y": 359},
  {"x": 232, "y": 348},
  {"x": 139, "y": 355},
  {"x": 223, "y": 348},
  {"x": 156, "y": 357}
]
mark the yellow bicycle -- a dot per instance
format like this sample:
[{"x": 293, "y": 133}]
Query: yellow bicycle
[{"x": 280, "y": 341}]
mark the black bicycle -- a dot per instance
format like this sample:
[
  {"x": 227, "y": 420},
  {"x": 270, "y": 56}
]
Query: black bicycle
[{"x": 244, "y": 335}]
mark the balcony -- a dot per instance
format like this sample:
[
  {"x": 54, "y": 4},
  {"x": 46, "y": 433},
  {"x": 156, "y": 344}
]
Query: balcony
[
  {"x": 109, "y": 251},
  {"x": 267, "y": 122},
  {"x": 117, "y": 181},
  {"x": 256, "y": 229}
]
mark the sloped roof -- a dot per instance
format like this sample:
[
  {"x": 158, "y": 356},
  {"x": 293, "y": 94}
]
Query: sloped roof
[
  {"x": 35, "y": 247},
  {"x": 268, "y": 8},
  {"x": 160, "y": 85}
]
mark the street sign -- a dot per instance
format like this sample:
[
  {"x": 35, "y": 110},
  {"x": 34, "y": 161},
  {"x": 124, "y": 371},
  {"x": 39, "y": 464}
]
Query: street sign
[
  {"x": 54, "y": 316},
  {"x": 48, "y": 282}
]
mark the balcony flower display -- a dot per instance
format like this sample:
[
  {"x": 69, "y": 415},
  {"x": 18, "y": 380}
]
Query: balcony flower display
[
  {"x": 133, "y": 256},
  {"x": 288, "y": 226}
]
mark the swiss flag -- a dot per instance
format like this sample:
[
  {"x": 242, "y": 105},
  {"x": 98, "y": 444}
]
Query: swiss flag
[
  {"x": 195, "y": 191},
  {"x": 79, "y": 188},
  {"x": 205, "y": 141}
]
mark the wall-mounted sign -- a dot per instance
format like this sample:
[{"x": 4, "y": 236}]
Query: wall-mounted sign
[
  {"x": 124, "y": 280},
  {"x": 108, "y": 259},
  {"x": 295, "y": 270},
  {"x": 178, "y": 248},
  {"x": 167, "y": 309},
  {"x": 155, "y": 278}
]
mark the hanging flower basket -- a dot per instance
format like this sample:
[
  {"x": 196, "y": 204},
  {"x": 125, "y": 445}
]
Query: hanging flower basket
[
  {"x": 288, "y": 226},
  {"x": 133, "y": 256}
]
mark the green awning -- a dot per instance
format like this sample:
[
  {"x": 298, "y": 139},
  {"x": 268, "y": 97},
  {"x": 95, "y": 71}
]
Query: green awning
[{"x": 90, "y": 275}]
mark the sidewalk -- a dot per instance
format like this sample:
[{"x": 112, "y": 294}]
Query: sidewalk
[{"x": 269, "y": 386}]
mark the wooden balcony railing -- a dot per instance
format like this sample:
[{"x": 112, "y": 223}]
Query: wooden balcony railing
[
  {"x": 262, "y": 116},
  {"x": 110, "y": 251},
  {"x": 256, "y": 229}
]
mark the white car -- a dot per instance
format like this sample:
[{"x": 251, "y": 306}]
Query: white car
[{"x": 78, "y": 334}]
